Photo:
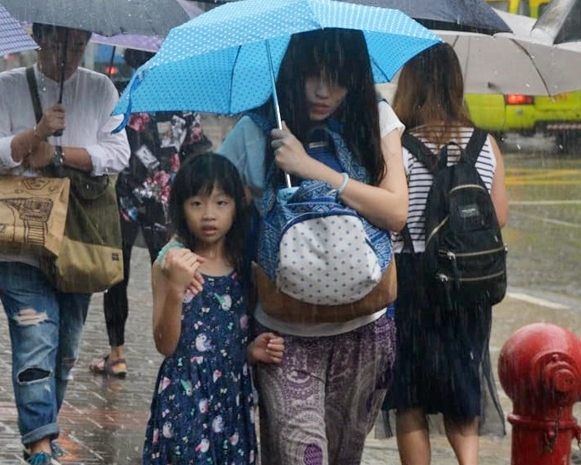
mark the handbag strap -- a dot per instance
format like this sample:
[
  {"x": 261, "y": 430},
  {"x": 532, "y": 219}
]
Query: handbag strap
[{"x": 33, "y": 87}]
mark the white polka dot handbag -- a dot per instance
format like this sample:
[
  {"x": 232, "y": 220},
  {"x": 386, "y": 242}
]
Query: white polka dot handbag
[
  {"x": 319, "y": 260},
  {"x": 321, "y": 251}
]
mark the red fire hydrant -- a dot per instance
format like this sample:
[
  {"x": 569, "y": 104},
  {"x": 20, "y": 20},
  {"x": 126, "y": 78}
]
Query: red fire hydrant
[{"x": 540, "y": 370}]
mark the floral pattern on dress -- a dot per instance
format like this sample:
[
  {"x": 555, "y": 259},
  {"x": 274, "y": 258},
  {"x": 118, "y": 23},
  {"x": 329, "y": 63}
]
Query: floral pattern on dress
[{"x": 202, "y": 407}]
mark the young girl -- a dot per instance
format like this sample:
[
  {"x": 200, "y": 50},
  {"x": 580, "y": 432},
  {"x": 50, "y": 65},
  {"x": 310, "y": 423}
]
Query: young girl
[
  {"x": 202, "y": 408},
  {"x": 331, "y": 371}
]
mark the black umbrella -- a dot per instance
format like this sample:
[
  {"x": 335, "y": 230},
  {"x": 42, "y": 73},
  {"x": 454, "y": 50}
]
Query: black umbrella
[
  {"x": 447, "y": 15},
  {"x": 561, "y": 21},
  {"x": 106, "y": 17}
]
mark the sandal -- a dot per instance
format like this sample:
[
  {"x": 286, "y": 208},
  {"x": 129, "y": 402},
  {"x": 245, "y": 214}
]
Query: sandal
[{"x": 103, "y": 366}]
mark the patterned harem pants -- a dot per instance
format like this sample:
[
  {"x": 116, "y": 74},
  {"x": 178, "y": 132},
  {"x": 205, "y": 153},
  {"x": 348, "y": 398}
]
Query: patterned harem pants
[{"x": 318, "y": 406}]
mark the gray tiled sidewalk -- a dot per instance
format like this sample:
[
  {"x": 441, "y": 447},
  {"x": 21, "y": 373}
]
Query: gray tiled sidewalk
[{"x": 103, "y": 419}]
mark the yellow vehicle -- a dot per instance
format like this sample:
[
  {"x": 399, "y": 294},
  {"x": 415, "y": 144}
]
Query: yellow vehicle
[
  {"x": 559, "y": 116},
  {"x": 532, "y": 8}
]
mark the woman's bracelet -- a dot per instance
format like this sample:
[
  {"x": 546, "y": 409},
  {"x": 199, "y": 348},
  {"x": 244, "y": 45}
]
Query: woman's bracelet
[{"x": 343, "y": 184}]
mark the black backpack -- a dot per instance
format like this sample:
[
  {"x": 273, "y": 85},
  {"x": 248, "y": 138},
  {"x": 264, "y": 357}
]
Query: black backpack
[{"x": 465, "y": 257}]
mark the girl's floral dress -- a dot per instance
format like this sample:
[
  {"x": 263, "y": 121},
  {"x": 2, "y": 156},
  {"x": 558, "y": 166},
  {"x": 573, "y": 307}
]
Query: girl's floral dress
[{"x": 202, "y": 408}]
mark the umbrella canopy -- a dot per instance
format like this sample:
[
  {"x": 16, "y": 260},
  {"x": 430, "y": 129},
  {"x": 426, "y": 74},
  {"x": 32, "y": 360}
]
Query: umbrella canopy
[
  {"x": 13, "y": 37},
  {"x": 449, "y": 15},
  {"x": 561, "y": 21},
  {"x": 223, "y": 61},
  {"x": 515, "y": 63},
  {"x": 145, "y": 42},
  {"x": 105, "y": 17}
]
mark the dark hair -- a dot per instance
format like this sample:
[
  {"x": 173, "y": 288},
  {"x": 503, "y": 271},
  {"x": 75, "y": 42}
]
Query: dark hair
[
  {"x": 135, "y": 58},
  {"x": 430, "y": 91},
  {"x": 40, "y": 30},
  {"x": 199, "y": 175},
  {"x": 341, "y": 54}
]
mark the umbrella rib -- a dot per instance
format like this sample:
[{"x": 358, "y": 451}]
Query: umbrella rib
[
  {"x": 231, "y": 95},
  {"x": 530, "y": 57}
]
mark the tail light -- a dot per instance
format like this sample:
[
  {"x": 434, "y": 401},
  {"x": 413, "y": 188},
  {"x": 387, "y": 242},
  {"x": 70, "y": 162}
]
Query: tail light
[
  {"x": 517, "y": 99},
  {"x": 111, "y": 71}
]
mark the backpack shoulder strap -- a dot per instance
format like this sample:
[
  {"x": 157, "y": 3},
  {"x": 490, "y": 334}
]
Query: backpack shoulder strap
[
  {"x": 261, "y": 121},
  {"x": 420, "y": 151},
  {"x": 474, "y": 146},
  {"x": 346, "y": 159}
]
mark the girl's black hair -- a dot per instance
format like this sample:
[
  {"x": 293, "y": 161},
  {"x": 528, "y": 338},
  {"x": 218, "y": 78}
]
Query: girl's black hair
[
  {"x": 199, "y": 175},
  {"x": 342, "y": 56}
]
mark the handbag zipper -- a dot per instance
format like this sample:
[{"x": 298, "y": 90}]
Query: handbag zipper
[{"x": 453, "y": 255}]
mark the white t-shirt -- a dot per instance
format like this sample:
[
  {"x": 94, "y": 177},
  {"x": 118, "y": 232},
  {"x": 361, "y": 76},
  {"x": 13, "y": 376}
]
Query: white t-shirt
[
  {"x": 245, "y": 146},
  {"x": 89, "y": 99}
]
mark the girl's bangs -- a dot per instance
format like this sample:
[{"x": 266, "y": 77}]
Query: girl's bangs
[{"x": 330, "y": 64}]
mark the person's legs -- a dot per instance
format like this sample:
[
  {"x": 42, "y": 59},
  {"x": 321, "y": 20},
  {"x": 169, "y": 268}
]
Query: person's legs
[
  {"x": 464, "y": 439},
  {"x": 466, "y": 343},
  {"x": 73, "y": 313},
  {"x": 291, "y": 399},
  {"x": 33, "y": 317},
  {"x": 116, "y": 309},
  {"x": 358, "y": 376},
  {"x": 115, "y": 303},
  {"x": 413, "y": 440}
]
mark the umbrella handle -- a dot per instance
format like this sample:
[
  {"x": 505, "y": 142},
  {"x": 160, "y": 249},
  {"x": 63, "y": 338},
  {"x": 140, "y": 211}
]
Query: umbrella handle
[
  {"x": 275, "y": 103},
  {"x": 63, "y": 69}
]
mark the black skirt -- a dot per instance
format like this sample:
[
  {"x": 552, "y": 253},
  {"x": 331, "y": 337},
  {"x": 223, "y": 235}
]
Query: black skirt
[{"x": 442, "y": 356}]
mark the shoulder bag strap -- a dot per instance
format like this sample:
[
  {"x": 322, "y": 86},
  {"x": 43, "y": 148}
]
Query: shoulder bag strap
[{"x": 34, "y": 93}]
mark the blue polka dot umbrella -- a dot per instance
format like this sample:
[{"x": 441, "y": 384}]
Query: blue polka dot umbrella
[{"x": 225, "y": 61}]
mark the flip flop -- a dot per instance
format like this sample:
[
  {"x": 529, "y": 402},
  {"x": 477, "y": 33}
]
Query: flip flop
[{"x": 103, "y": 366}]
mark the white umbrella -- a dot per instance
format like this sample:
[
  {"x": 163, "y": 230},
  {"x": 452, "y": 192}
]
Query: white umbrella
[
  {"x": 516, "y": 63},
  {"x": 561, "y": 21}
]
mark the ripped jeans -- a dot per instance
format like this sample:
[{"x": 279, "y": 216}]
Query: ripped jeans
[{"x": 45, "y": 332}]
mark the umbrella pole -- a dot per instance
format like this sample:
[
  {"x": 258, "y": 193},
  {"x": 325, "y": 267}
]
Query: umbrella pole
[
  {"x": 275, "y": 103},
  {"x": 63, "y": 70},
  {"x": 111, "y": 61},
  {"x": 64, "y": 65}
]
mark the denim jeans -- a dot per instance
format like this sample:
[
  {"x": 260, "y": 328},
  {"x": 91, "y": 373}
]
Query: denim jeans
[{"x": 45, "y": 333}]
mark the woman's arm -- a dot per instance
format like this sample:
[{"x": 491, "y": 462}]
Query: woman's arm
[
  {"x": 169, "y": 282},
  {"x": 498, "y": 191},
  {"x": 385, "y": 205}
]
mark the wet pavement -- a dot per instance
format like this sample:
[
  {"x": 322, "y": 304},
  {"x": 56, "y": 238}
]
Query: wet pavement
[{"x": 103, "y": 419}]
